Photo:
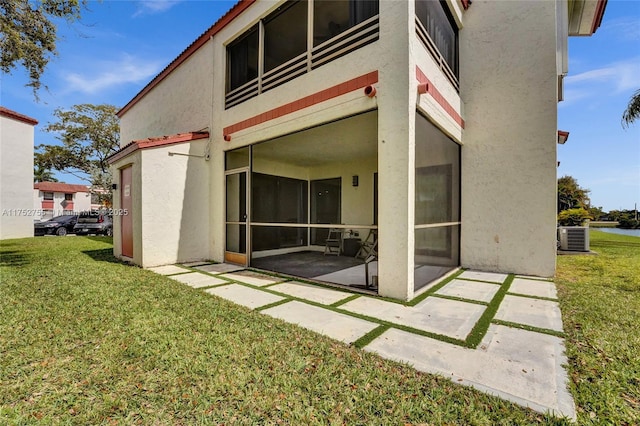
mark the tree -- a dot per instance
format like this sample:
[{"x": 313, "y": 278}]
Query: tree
[
  {"x": 89, "y": 134},
  {"x": 632, "y": 113},
  {"x": 571, "y": 195},
  {"x": 40, "y": 174},
  {"x": 28, "y": 35}
]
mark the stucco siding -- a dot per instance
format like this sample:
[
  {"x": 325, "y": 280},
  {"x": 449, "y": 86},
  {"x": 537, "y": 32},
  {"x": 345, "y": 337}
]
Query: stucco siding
[
  {"x": 180, "y": 103},
  {"x": 509, "y": 87},
  {"x": 175, "y": 222},
  {"x": 16, "y": 178}
]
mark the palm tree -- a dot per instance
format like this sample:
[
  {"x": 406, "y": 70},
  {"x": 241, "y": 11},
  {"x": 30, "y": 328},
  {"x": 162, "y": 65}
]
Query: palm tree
[
  {"x": 40, "y": 174},
  {"x": 632, "y": 113}
]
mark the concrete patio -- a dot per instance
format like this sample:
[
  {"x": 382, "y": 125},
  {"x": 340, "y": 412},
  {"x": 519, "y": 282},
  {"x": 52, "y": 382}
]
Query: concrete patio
[{"x": 498, "y": 333}]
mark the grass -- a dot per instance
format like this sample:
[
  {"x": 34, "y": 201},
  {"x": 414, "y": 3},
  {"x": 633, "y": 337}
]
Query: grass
[
  {"x": 87, "y": 340},
  {"x": 600, "y": 303}
]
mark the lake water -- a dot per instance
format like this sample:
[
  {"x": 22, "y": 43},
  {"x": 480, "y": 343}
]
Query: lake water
[{"x": 631, "y": 232}]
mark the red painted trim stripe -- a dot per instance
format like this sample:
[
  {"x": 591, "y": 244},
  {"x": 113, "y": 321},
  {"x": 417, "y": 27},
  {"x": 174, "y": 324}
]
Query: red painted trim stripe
[
  {"x": 232, "y": 14},
  {"x": 6, "y": 112},
  {"x": 47, "y": 204},
  {"x": 316, "y": 98},
  {"x": 155, "y": 142},
  {"x": 437, "y": 96}
]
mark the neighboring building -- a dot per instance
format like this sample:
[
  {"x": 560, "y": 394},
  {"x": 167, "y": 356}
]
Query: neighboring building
[
  {"x": 16, "y": 174},
  {"x": 432, "y": 124},
  {"x": 56, "y": 198}
]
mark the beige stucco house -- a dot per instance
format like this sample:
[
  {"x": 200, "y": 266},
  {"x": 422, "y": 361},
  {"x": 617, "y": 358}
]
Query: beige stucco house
[
  {"x": 428, "y": 128},
  {"x": 16, "y": 174}
]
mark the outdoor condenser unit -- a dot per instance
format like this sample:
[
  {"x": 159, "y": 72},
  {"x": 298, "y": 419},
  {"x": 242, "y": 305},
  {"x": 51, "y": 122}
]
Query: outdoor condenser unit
[{"x": 574, "y": 238}]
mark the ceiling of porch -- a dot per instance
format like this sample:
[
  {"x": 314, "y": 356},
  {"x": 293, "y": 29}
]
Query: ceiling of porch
[{"x": 338, "y": 141}]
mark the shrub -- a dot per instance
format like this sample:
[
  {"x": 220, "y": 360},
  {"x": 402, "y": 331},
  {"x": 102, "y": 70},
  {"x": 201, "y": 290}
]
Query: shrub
[{"x": 573, "y": 217}]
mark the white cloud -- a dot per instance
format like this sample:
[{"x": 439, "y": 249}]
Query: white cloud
[
  {"x": 154, "y": 6},
  {"x": 111, "y": 74},
  {"x": 625, "y": 28},
  {"x": 622, "y": 75},
  {"x": 611, "y": 79}
]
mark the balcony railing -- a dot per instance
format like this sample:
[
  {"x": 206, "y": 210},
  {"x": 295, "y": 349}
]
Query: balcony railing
[{"x": 424, "y": 37}]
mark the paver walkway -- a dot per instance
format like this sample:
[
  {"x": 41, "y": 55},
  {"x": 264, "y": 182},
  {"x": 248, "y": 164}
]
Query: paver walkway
[{"x": 498, "y": 333}]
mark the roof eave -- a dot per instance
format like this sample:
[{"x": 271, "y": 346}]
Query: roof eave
[{"x": 585, "y": 16}]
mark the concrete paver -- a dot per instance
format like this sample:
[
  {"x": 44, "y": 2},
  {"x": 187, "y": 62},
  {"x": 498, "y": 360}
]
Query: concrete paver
[
  {"x": 253, "y": 278},
  {"x": 198, "y": 280},
  {"x": 472, "y": 290},
  {"x": 197, "y": 263},
  {"x": 484, "y": 276},
  {"x": 310, "y": 292},
  {"x": 441, "y": 316},
  {"x": 518, "y": 365},
  {"x": 522, "y": 366},
  {"x": 218, "y": 268},
  {"x": 527, "y": 311},
  {"x": 168, "y": 270},
  {"x": 333, "y": 324},
  {"x": 533, "y": 288},
  {"x": 245, "y": 296}
]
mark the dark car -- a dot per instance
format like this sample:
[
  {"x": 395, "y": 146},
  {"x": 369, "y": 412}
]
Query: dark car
[
  {"x": 94, "y": 222},
  {"x": 59, "y": 225}
]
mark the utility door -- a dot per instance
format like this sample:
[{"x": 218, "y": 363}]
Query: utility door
[{"x": 126, "y": 204}]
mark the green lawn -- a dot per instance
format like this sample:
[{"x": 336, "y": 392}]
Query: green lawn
[
  {"x": 87, "y": 340},
  {"x": 600, "y": 302}
]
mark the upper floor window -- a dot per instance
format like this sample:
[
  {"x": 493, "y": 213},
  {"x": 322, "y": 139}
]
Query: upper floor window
[
  {"x": 243, "y": 59},
  {"x": 279, "y": 48},
  {"x": 47, "y": 195},
  {"x": 285, "y": 34},
  {"x": 68, "y": 197},
  {"x": 332, "y": 17},
  {"x": 441, "y": 32}
]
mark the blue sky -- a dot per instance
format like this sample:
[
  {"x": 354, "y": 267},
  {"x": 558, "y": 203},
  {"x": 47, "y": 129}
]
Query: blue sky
[{"x": 119, "y": 46}]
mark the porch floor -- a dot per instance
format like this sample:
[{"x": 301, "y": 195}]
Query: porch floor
[{"x": 498, "y": 333}]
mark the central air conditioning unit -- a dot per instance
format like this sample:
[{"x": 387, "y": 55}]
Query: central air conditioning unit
[{"x": 574, "y": 238}]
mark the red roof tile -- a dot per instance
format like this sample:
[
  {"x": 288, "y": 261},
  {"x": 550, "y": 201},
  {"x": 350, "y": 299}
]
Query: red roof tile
[
  {"x": 155, "y": 142},
  {"x": 60, "y": 187}
]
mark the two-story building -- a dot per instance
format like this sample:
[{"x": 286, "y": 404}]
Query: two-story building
[
  {"x": 428, "y": 127},
  {"x": 56, "y": 198}
]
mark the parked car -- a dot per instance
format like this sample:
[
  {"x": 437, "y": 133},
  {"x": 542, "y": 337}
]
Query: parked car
[
  {"x": 94, "y": 222},
  {"x": 59, "y": 225}
]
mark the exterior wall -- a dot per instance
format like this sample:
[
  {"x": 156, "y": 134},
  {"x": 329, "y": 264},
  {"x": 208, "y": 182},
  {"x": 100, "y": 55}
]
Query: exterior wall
[
  {"x": 174, "y": 216},
  {"x": 16, "y": 178},
  {"x": 180, "y": 103},
  {"x": 509, "y": 87}
]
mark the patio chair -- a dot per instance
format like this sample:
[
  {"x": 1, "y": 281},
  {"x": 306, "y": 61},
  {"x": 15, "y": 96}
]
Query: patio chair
[
  {"x": 333, "y": 243},
  {"x": 369, "y": 246}
]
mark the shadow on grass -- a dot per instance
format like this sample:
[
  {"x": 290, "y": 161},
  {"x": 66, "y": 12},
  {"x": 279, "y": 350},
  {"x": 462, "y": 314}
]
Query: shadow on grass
[
  {"x": 104, "y": 255},
  {"x": 14, "y": 258}
]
